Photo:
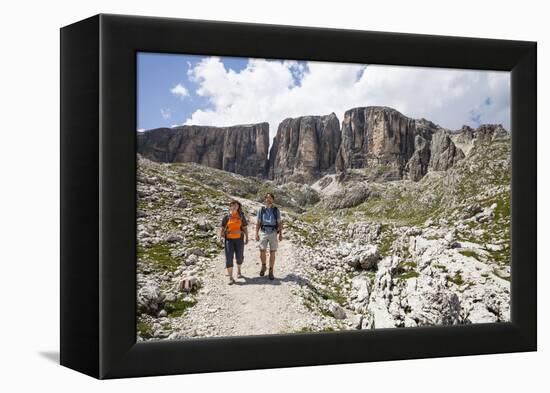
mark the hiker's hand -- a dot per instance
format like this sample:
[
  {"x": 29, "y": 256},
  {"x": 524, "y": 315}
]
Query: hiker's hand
[
  {"x": 246, "y": 240},
  {"x": 257, "y": 237},
  {"x": 280, "y": 237}
]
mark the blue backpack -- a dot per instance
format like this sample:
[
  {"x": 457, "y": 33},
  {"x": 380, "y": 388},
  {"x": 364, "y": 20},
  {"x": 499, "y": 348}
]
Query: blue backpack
[{"x": 275, "y": 214}]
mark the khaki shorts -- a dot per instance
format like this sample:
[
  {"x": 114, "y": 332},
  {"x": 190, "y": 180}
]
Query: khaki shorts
[{"x": 268, "y": 238}]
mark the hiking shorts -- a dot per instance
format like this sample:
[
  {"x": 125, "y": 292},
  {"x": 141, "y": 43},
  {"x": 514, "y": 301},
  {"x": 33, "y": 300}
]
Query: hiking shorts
[
  {"x": 234, "y": 247},
  {"x": 268, "y": 238}
]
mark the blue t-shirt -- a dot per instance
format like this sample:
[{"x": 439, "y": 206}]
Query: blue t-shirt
[{"x": 268, "y": 219}]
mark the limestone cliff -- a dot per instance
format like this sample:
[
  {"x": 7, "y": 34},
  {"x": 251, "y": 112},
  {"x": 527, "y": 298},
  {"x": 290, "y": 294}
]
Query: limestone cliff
[
  {"x": 304, "y": 148},
  {"x": 376, "y": 143},
  {"x": 387, "y": 145},
  {"x": 240, "y": 149}
]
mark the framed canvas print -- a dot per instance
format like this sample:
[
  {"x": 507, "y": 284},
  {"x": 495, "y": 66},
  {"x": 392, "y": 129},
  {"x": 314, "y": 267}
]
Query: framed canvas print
[{"x": 299, "y": 196}]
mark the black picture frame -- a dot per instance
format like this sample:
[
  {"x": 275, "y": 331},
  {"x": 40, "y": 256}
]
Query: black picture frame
[{"x": 98, "y": 202}]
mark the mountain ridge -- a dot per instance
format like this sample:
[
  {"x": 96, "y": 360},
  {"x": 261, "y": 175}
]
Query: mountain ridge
[{"x": 378, "y": 141}]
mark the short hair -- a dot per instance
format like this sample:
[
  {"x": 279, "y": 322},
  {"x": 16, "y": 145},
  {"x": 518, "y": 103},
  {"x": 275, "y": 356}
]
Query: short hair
[{"x": 270, "y": 194}]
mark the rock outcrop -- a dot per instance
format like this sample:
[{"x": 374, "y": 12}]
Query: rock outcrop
[
  {"x": 304, "y": 148},
  {"x": 392, "y": 146},
  {"x": 466, "y": 138},
  {"x": 418, "y": 164},
  {"x": 240, "y": 149},
  {"x": 376, "y": 137},
  {"x": 444, "y": 152}
]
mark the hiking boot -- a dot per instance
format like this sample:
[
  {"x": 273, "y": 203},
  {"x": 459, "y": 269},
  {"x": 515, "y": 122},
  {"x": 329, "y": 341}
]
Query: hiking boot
[
  {"x": 271, "y": 276},
  {"x": 231, "y": 280},
  {"x": 262, "y": 270}
]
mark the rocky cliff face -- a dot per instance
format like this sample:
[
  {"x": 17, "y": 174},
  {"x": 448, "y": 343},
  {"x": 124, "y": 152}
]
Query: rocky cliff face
[
  {"x": 444, "y": 153},
  {"x": 418, "y": 164},
  {"x": 466, "y": 138},
  {"x": 392, "y": 146},
  {"x": 375, "y": 137},
  {"x": 304, "y": 148},
  {"x": 375, "y": 143},
  {"x": 240, "y": 149}
]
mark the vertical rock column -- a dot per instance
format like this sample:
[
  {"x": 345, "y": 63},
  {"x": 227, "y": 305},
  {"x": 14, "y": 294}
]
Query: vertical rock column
[{"x": 304, "y": 148}]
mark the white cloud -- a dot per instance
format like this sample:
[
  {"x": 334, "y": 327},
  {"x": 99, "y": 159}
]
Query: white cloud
[
  {"x": 166, "y": 113},
  {"x": 179, "y": 91},
  {"x": 268, "y": 91}
]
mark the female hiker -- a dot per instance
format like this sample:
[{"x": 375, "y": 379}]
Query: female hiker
[{"x": 235, "y": 231}]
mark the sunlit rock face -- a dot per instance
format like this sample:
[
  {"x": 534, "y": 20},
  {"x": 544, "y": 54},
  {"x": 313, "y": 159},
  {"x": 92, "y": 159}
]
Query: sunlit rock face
[
  {"x": 304, "y": 149},
  {"x": 239, "y": 149}
]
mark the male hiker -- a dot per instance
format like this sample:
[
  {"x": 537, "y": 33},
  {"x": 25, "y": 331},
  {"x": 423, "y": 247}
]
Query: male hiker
[{"x": 268, "y": 225}]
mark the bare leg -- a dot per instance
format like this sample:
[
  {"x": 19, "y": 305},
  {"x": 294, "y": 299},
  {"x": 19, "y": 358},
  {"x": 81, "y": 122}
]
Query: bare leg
[
  {"x": 230, "y": 274},
  {"x": 271, "y": 264},
  {"x": 262, "y": 258}
]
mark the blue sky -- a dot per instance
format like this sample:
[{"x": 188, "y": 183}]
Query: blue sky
[
  {"x": 157, "y": 74},
  {"x": 178, "y": 89}
]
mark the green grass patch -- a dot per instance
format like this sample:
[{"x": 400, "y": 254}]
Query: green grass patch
[
  {"x": 408, "y": 264},
  {"x": 389, "y": 204},
  {"x": 326, "y": 313},
  {"x": 407, "y": 275},
  {"x": 175, "y": 223},
  {"x": 310, "y": 302},
  {"x": 178, "y": 307},
  {"x": 159, "y": 254},
  {"x": 208, "y": 245},
  {"x": 308, "y": 329},
  {"x": 387, "y": 237},
  {"x": 329, "y": 293},
  {"x": 145, "y": 330},
  {"x": 332, "y": 295},
  {"x": 456, "y": 279},
  {"x": 502, "y": 257},
  {"x": 468, "y": 253}
]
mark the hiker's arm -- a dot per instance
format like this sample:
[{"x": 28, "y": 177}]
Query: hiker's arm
[
  {"x": 245, "y": 232},
  {"x": 257, "y": 230},
  {"x": 222, "y": 228},
  {"x": 280, "y": 229}
]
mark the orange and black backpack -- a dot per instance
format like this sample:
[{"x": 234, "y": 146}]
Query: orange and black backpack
[{"x": 232, "y": 224}]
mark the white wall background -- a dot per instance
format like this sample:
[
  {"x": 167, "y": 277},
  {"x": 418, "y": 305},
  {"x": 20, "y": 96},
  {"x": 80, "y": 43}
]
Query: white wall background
[{"x": 29, "y": 194}]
